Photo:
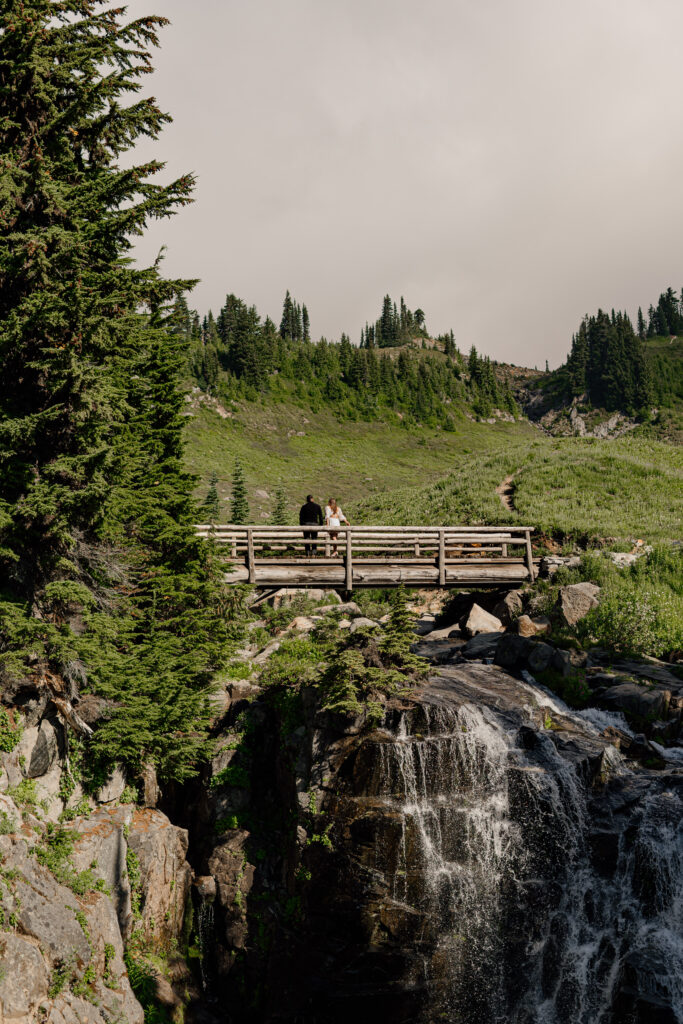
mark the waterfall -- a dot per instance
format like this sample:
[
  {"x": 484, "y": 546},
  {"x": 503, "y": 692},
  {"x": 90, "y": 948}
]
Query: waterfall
[
  {"x": 535, "y": 897},
  {"x": 205, "y": 936}
]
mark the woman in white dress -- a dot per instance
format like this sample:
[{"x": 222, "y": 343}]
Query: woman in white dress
[{"x": 334, "y": 517}]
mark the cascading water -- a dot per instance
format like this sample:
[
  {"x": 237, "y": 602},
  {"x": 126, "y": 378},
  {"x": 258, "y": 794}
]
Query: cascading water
[
  {"x": 539, "y": 899},
  {"x": 205, "y": 939}
]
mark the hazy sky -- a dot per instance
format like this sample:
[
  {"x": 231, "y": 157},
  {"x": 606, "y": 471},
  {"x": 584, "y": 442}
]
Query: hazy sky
[{"x": 506, "y": 165}]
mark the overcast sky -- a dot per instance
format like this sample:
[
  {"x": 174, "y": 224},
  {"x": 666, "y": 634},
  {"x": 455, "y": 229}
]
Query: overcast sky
[{"x": 506, "y": 165}]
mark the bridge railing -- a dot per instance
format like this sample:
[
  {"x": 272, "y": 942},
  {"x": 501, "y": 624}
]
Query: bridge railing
[{"x": 443, "y": 545}]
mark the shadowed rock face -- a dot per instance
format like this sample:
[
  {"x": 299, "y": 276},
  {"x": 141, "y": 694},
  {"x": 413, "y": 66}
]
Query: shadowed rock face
[{"x": 493, "y": 860}]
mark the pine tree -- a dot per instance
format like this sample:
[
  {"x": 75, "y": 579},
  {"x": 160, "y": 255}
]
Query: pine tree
[
  {"x": 398, "y": 634},
  {"x": 239, "y": 508},
  {"x": 211, "y": 503},
  {"x": 280, "y": 515},
  {"x": 96, "y": 510},
  {"x": 306, "y": 323},
  {"x": 641, "y": 323}
]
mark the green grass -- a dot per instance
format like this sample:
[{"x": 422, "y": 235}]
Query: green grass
[
  {"x": 584, "y": 488},
  {"x": 344, "y": 459}
]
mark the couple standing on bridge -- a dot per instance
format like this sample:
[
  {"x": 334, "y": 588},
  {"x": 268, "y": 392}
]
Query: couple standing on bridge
[{"x": 311, "y": 514}]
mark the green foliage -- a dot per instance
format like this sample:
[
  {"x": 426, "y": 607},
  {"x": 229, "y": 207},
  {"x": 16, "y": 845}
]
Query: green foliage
[
  {"x": 24, "y": 794},
  {"x": 211, "y": 503},
  {"x": 8, "y": 824},
  {"x": 280, "y": 515},
  {"x": 142, "y": 977},
  {"x": 104, "y": 582},
  {"x": 11, "y": 729},
  {"x": 134, "y": 880},
  {"x": 54, "y": 851},
  {"x": 239, "y": 507}
]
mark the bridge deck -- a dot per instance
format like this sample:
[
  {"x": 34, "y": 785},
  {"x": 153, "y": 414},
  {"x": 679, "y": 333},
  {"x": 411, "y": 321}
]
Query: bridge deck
[{"x": 375, "y": 556}]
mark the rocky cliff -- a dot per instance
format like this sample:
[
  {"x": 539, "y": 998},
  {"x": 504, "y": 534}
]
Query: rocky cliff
[
  {"x": 483, "y": 854},
  {"x": 475, "y": 851}
]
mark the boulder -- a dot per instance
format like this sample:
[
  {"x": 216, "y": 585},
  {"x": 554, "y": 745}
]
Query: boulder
[
  {"x": 480, "y": 621},
  {"x": 302, "y": 623},
  {"x": 262, "y": 657},
  {"x": 443, "y": 634},
  {"x": 540, "y": 657},
  {"x": 576, "y": 600},
  {"x": 481, "y": 646},
  {"x": 344, "y": 623},
  {"x": 512, "y": 650},
  {"x": 510, "y": 607},
  {"x": 636, "y": 700},
  {"x": 425, "y": 624},
  {"x": 362, "y": 623},
  {"x": 526, "y": 626},
  {"x": 45, "y": 751}
]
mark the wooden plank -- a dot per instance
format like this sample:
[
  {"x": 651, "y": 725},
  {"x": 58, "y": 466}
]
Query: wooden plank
[
  {"x": 250, "y": 557},
  {"x": 334, "y": 576},
  {"x": 349, "y": 562},
  {"x": 530, "y": 557},
  {"x": 442, "y": 558}
]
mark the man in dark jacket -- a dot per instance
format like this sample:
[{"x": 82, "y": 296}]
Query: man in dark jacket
[{"x": 310, "y": 514}]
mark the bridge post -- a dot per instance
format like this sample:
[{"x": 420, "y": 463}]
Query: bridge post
[
  {"x": 349, "y": 562},
  {"x": 442, "y": 558},
  {"x": 529, "y": 556},
  {"x": 250, "y": 556}
]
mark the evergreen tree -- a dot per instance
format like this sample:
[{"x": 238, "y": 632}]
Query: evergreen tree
[
  {"x": 641, "y": 323},
  {"x": 306, "y": 324},
  {"x": 211, "y": 503},
  {"x": 239, "y": 508},
  {"x": 280, "y": 515},
  {"x": 96, "y": 510},
  {"x": 398, "y": 634}
]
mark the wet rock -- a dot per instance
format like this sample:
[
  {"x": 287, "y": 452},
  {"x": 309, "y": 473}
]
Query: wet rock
[
  {"x": 510, "y": 607},
  {"x": 636, "y": 700},
  {"x": 512, "y": 650},
  {"x": 481, "y": 647},
  {"x": 480, "y": 621},
  {"x": 540, "y": 657},
  {"x": 575, "y": 601}
]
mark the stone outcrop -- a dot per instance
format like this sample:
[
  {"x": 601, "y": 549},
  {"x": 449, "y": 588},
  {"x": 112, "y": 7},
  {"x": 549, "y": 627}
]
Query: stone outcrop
[
  {"x": 575, "y": 601},
  {"x": 63, "y": 958},
  {"x": 481, "y": 621}
]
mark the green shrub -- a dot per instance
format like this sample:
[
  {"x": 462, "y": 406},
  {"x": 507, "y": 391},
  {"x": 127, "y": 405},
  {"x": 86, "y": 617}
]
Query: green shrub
[{"x": 11, "y": 730}]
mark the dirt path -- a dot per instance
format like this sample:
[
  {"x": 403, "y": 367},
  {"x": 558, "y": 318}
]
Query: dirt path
[{"x": 505, "y": 491}]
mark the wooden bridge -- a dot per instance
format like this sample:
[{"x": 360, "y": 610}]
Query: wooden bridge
[{"x": 375, "y": 556}]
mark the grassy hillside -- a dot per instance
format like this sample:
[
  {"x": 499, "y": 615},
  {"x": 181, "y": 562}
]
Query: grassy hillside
[{"x": 626, "y": 488}]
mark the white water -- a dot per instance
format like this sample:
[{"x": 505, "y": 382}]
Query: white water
[{"x": 520, "y": 928}]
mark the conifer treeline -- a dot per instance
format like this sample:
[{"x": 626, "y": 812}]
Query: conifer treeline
[
  {"x": 611, "y": 365},
  {"x": 238, "y": 354},
  {"x": 394, "y": 326}
]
